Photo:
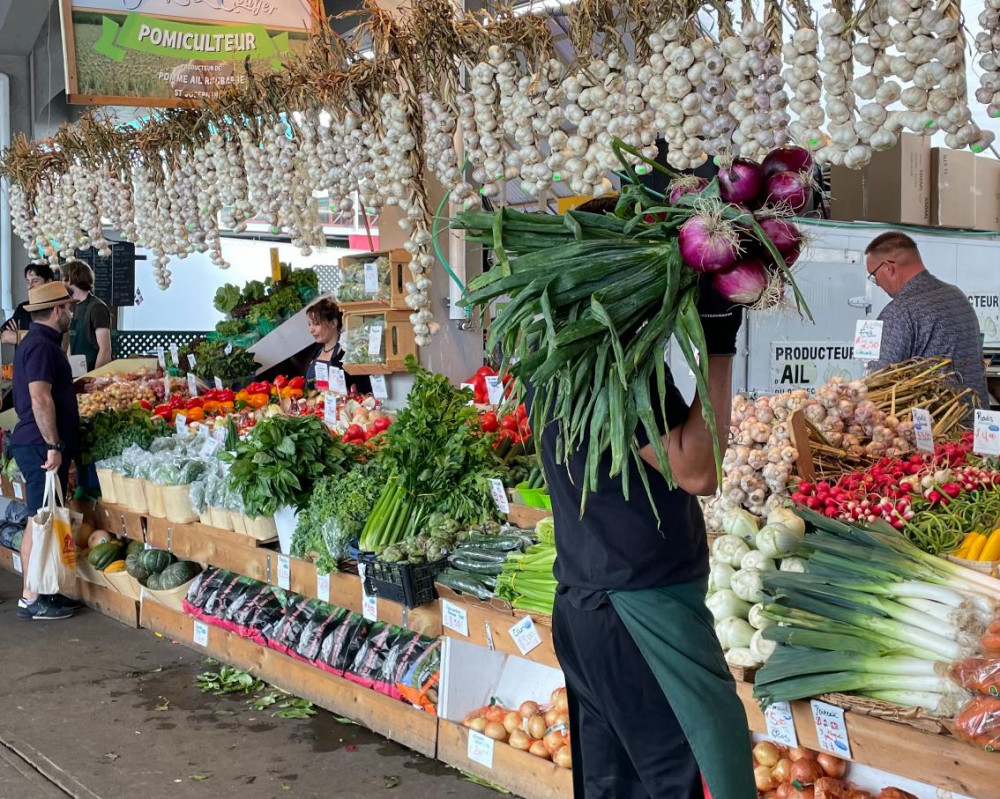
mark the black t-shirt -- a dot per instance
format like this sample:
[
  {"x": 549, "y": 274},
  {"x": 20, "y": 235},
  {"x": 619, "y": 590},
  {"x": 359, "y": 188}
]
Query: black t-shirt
[
  {"x": 19, "y": 320},
  {"x": 618, "y": 545}
]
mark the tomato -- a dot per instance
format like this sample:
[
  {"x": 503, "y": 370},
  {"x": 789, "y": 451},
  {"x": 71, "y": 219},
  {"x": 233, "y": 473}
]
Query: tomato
[
  {"x": 489, "y": 422},
  {"x": 521, "y": 412},
  {"x": 354, "y": 431},
  {"x": 509, "y": 422},
  {"x": 484, "y": 371}
]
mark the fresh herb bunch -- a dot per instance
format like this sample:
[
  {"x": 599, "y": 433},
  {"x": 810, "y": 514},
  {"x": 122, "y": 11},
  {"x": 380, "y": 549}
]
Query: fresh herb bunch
[
  {"x": 107, "y": 433},
  {"x": 281, "y": 461},
  {"x": 212, "y": 361},
  {"x": 230, "y": 328}
]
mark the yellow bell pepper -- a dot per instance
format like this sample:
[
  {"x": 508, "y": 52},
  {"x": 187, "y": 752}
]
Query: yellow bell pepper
[
  {"x": 991, "y": 551},
  {"x": 977, "y": 548}
]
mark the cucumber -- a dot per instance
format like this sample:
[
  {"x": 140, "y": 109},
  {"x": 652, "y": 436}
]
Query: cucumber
[
  {"x": 500, "y": 543},
  {"x": 475, "y": 566},
  {"x": 464, "y": 583},
  {"x": 480, "y": 553}
]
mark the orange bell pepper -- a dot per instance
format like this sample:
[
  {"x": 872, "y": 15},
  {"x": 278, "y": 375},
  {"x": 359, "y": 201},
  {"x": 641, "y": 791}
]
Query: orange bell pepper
[
  {"x": 226, "y": 407},
  {"x": 211, "y": 406},
  {"x": 243, "y": 396},
  {"x": 195, "y": 414},
  {"x": 291, "y": 393},
  {"x": 259, "y": 400}
]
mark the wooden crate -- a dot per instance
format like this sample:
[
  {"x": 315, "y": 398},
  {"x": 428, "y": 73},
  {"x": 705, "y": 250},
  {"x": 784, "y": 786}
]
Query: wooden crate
[
  {"x": 7, "y": 560},
  {"x": 389, "y": 717},
  {"x": 519, "y": 772},
  {"x": 399, "y": 260},
  {"x": 397, "y": 343}
]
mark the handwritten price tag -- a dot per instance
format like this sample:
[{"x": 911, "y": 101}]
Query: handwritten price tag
[
  {"x": 525, "y": 635},
  {"x": 371, "y": 277},
  {"x": 923, "y": 429},
  {"x": 379, "y": 389},
  {"x": 192, "y": 384},
  {"x": 986, "y": 433},
  {"x": 284, "y": 573},
  {"x": 369, "y": 607},
  {"x": 323, "y": 587},
  {"x": 17, "y": 563},
  {"x": 868, "y": 339},
  {"x": 161, "y": 358},
  {"x": 175, "y": 356},
  {"x": 499, "y": 495},
  {"x": 375, "y": 340},
  {"x": 166, "y": 385},
  {"x": 454, "y": 618},
  {"x": 494, "y": 387},
  {"x": 831, "y": 730},
  {"x": 218, "y": 383},
  {"x": 330, "y": 409},
  {"x": 480, "y": 749},
  {"x": 338, "y": 380},
  {"x": 18, "y": 491},
  {"x": 781, "y": 724},
  {"x": 322, "y": 376},
  {"x": 192, "y": 361},
  {"x": 201, "y": 633},
  {"x": 210, "y": 447},
  {"x": 180, "y": 424}
]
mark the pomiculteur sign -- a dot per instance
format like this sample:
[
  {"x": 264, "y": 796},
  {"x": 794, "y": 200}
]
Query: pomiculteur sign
[{"x": 174, "y": 52}]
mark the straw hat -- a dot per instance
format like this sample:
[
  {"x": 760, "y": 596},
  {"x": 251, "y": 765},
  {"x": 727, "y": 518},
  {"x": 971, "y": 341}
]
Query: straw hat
[{"x": 48, "y": 296}]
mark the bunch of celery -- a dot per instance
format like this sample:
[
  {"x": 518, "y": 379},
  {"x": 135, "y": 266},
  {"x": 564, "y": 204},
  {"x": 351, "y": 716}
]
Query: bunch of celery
[
  {"x": 527, "y": 581},
  {"x": 875, "y": 616}
]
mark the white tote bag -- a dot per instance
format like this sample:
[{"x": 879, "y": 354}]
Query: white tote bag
[{"x": 52, "y": 564}]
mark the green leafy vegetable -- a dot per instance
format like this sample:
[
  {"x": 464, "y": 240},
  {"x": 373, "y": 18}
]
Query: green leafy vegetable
[{"x": 107, "y": 433}]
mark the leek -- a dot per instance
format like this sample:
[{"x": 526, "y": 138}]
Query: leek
[
  {"x": 946, "y": 704},
  {"x": 844, "y": 682},
  {"x": 792, "y": 661}
]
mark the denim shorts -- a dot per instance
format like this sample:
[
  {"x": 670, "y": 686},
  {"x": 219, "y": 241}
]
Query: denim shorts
[{"x": 29, "y": 460}]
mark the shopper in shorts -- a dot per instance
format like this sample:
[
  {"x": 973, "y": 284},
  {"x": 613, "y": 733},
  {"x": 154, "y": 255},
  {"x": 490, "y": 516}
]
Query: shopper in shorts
[{"x": 47, "y": 432}]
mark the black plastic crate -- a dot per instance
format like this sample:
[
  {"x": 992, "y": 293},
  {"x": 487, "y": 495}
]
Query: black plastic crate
[{"x": 409, "y": 584}]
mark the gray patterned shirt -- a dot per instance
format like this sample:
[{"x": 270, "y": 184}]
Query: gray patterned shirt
[{"x": 930, "y": 318}]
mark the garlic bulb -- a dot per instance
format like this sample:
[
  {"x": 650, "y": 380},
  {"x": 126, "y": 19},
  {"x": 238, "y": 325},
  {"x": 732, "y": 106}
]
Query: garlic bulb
[{"x": 988, "y": 45}]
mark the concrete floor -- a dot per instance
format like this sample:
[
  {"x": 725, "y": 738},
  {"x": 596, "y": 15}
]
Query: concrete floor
[{"x": 93, "y": 710}]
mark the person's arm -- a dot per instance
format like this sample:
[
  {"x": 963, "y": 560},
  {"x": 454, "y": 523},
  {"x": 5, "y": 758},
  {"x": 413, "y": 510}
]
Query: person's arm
[
  {"x": 11, "y": 329},
  {"x": 898, "y": 335},
  {"x": 44, "y": 410},
  {"x": 103, "y": 335}
]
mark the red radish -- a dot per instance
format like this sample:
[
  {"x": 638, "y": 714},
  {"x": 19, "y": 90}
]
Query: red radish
[
  {"x": 688, "y": 184},
  {"x": 792, "y": 190},
  {"x": 744, "y": 283},
  {"x": 740, "y": 181},
  {"x": 787, "y": 159},
  {"x": 708, "y": 243}
]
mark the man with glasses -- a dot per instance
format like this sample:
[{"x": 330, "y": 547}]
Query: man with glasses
[
  {"x": 927, "y": 317},
  {"x": 35, "y": 275}
]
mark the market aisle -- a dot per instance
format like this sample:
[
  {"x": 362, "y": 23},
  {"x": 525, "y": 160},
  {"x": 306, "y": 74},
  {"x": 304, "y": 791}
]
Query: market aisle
[{"x": 101, "y": 711}]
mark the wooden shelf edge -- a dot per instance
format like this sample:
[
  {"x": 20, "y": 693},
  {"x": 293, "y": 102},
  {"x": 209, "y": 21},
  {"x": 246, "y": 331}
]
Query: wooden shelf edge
[{"x": 389, "y": 717}]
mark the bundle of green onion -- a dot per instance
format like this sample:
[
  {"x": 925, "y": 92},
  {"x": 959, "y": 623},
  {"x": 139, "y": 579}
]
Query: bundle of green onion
[
  {"x": 527, "y": 581},
  {"x": 594, "y": 300},
  {"x": 875, "y": 616}
]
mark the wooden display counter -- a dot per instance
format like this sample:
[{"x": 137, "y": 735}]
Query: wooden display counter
[{"x": 393, "y": 719}]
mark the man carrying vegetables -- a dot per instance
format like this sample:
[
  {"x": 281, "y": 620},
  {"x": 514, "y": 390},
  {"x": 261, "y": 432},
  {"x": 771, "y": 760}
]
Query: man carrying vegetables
[{"x": 652, "y": 702}]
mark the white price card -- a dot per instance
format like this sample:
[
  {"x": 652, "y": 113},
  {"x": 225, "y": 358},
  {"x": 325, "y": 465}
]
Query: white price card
[
  {"x": 986, "y": 433},
  {"x": 17, "y": 562},
  {"x": 781, "y": 724},
  {"x": 175, "y": 355},
  {"x": 525, "y": 635},
  {"x": 166, "y": 385},
  {"x": 499, "y": 494},
  {"x": 180, "y": 424},
  {"x": 229, "y": 348},
  {"x": 494, "y": 387},
  {"x": 379, "y": 388},
  {"x": 480, "y": 749},
  {"x": 369, "y": 606},
  {"x": 323, "y": 587},
  {"x": 192, "y": 384},
  {"x": 18, "y": 491},
  {"x": 831, "y": 730},
  {"x": 375, "y": 340},
  {"x": 192, "y": 361},
  {"x": 201, "y": 633},
  {"x": 284, "y": 573},
  {"x": 338, "y": 380},
  {"x": 161, "y": 358},
  {"x": 923, "y": 429},
  {"x": 211, "y": 445},
  {"x": 454, "y": 618},
  {"x": 218, "y": 383},
  {"x": 371, "y": 277},
  {"x": 490, "y": 645},
  {"x": 330, "y": 409},
  {"x": 322, "y": 376},
  {"x": 868, "y": 339}
]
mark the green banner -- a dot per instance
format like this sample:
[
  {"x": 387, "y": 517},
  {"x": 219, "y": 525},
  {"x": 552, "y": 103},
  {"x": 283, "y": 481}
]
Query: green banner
[{"x": 184, "y": 40}]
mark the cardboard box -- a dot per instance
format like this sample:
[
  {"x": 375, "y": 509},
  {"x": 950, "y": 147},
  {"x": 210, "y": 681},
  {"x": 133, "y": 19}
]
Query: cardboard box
[
  {"x": 897, "y": 183},
  {"x": 987, "y": 194},
  {"x": 953, "y": 188},
  {"x": 847, "y": 194}
]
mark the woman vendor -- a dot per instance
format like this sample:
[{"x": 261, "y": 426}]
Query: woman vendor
[{"x": 326, "y": 320}]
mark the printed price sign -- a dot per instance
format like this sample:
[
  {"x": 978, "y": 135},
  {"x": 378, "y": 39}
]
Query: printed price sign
[
  {"x": 454, "y": 618},
  {"x": 923, "y": 429},
  {"x": 330, "y": 409},
  {"x": 201, "y": 633},
  {"x": 284, "y": 573},
  {"x": 379, "y": 389},
  {"x": 322, "y": 376},
  {"x": 192, "y": 361},
  {"x": 525, "y": 635},
  {"x": 494, "y": 387},
  {"x": 229, "y": 348},
  {"x": 192, "y": 384},
  {"x": 338, "y": 380},
  {"x": 480, "y": 749},
  {"x": 831, "y": 731},
  {"x": 166, "y": 385},
  {"x": 218, "y": 383},
  {"x": 18, "y": 491},
  {"x": 323, "y": 587},
  {"x": 986, "y": 433},
  {"x": 180, "y": 424},
  {"x": 210, "y": 447},
  {"x": 17, "y": 563},
  {"x": 369, "y": 606},
  {"x": 371, "y": 277},
  {"x": 161, "y": 358},
  {"x": 175, "y": 355},
  {"x": 375, "y": 340},
  {"x": 781, "y": 724},
  {"x": 868, "y": 339},
  {"x": 499, "y": 495}
]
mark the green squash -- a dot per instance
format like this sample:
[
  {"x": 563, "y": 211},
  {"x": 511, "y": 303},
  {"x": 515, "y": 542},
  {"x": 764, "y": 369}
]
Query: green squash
[
  {"x": 133, "y": 546},
  {"x": 103, "y": 555},
  {"x": 176, "y": 574},
  {"x": 133, "y": 565},
  {"x": 153, "y": 582},
  {"x": 156, "y": 560}
]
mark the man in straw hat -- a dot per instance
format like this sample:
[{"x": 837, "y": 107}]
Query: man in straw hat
[{"x": 47, "y": 432}]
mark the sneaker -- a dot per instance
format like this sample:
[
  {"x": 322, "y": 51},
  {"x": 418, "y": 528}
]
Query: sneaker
[
  {"x": 41, "y": 610},
  {"x": 65, "y": 602}
]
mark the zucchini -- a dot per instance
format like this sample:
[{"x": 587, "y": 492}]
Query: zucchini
[
  {"x": 476, "y": 566},
  {"x": 500, "y": 543},
  {"x": 464, "y": 583}
]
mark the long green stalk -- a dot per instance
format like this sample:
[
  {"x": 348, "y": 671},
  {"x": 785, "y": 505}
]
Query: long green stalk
[
  {"x": 792, "y": 661},
  {"x": 843, "y": 682}
]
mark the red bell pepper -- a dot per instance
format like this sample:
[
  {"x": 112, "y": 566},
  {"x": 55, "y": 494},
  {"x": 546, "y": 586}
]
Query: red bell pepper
[
  {"x": 194, "y": 402},
  {"x": 297, "y": 382},
  {"x": 381, "y": 424},
  {"x": 176, "y": 403},
  {"x": 145, "y": 405},
  {"x": 280, "y": 382},
  {"x": 226, "y": 395},
  {"x": 163, "y": 410},
  {"x": 485, "y": 371}
]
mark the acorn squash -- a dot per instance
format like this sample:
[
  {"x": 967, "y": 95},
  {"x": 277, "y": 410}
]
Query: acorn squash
[{"x": 101, "y": 556}]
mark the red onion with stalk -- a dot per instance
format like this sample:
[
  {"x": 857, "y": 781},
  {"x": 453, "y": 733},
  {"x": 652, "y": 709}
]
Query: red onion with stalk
[
  {"x": 745, "y": 283},
  {"x": 789, "y": 190},
  {"x": 784, "y": 235},
  {"x": 687, "y": 184},
  {"x": 708, "y": 243},
  {"x": 787, "y": 159},
  {"x": 740, "y": 181}
]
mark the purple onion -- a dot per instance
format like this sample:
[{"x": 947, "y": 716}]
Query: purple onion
[
  {"x": 791, "y": 190},
  {"x": 708, "y": 243},
  {"x": 787, "y": 159},
  {"x": 744, "y": 284},
  {"x": 784, "y": 235},
  {"x": 689, "y": 184},
  {"x": 741, "y": 181}
]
